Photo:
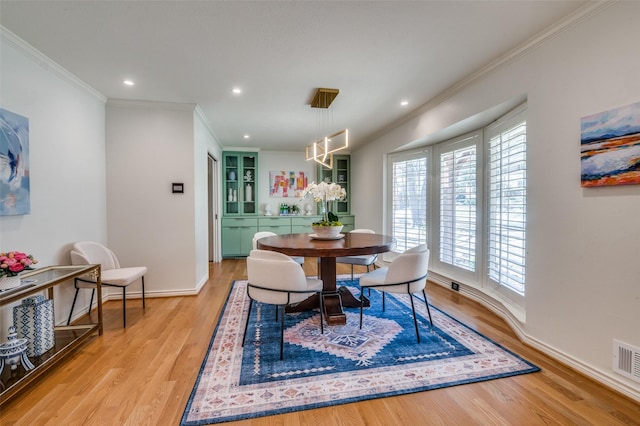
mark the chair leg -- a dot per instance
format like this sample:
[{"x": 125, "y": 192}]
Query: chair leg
[
  {"x": 415, "y": 320},
  {"x": 383, "y": 299},
  {"x": 282, "y": 333},
  {"x": 321, "y": 312},
  {"x": 143, "y": 305},
  {"x": 124, "y": 307},
  {"x": 72, "y": 305},
  {"x": 361, "y": 306},
  {"x": 351, "y": 272},
  {"x": 246, "y": 325},
  {"x": 427, "y": 303},
  {"x": 91, "y": 302}
]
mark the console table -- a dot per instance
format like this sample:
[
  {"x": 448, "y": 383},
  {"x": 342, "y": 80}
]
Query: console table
[{"x": 67, "y": 338}]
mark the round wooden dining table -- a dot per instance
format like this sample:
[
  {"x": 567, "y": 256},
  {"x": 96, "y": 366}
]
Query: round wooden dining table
[{"x": 306, "y": 245}]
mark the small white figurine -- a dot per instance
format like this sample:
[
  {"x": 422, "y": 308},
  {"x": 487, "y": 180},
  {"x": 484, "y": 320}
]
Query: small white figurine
[
  {"x": 267, "y": 210},
  {"x": 307, "y": 209}
]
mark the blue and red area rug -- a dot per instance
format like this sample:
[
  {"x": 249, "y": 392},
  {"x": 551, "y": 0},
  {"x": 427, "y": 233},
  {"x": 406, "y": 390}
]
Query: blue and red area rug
[{"x": 345, "y": 364}]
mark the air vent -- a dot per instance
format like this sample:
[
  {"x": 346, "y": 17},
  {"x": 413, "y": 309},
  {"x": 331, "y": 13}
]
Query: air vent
[{"x": 626, "y": 360}]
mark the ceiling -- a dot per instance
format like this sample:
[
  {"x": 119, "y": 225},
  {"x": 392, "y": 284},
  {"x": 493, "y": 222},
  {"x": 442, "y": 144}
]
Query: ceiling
[{"x": 377, "y": 53}]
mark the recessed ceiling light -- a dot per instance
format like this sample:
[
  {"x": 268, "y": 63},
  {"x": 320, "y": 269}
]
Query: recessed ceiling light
[
  {"x": 404, "y": 103},
  {"x": 237, "y": 90},
  {"x": 128, "y": 83},
  {"x": 246, "y": 136}
]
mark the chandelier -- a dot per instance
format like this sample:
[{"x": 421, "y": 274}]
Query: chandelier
[{"x": 321, "y": 151}]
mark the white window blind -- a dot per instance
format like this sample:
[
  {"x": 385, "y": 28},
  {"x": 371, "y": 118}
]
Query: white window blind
[
  {"x": 409, "y": 201},
  {"x": 507, "y": 200},
  {"x": 458, "y": 187}
]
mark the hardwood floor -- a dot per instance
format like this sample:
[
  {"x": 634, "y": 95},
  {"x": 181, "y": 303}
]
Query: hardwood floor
[{"x": 143, "y": 375}]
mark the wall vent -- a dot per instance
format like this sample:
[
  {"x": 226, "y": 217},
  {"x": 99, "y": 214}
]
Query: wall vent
[{"x": 626, "y": 360}]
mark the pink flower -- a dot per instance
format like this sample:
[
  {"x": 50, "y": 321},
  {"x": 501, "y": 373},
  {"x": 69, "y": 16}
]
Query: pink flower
[{"x": 16, "y": 267}]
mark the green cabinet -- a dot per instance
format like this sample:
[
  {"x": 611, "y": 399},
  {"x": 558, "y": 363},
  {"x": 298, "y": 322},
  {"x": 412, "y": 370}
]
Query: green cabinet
[
  {"x": 275, "y": 224},
  {"x": 340, "y": 175},
  {"x": 237, "y": 235},
  {"x": 240, "y": 174},
  {"x": 302, "y": 224}
]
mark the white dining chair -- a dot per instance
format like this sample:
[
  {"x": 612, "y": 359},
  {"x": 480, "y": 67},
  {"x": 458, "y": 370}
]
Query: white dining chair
[
  {"x": 275, "y": 279},
  {"x": 406, "y": 274},
  {"x": 111, "y": 274},
  {"x": 262, "y": 234},
  {"x": 363, "y": 260}
]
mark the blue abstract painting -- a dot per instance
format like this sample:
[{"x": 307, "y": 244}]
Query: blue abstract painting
[
  {"x": 14, "y": 164},
  {"x": 610, "y": 147}
]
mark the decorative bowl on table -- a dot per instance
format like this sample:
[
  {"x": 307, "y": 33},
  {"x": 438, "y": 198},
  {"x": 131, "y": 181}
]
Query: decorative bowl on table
[{"x": 327, "y": 232}]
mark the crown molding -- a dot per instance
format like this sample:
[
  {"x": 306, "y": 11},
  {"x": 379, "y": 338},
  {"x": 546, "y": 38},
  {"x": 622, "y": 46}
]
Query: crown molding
[{"x": 48, "y": 63}]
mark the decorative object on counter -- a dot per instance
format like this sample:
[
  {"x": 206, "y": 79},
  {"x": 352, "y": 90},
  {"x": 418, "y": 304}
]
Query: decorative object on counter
[
  {"x": 11, "y": 264},
  {"x": 307, "y": 209},
  {"x": 13, "y": 351},
  {"x": 248, "y": 194},
  {"x": 33, "y": 320},
  {"x": 267, "y": 210}
]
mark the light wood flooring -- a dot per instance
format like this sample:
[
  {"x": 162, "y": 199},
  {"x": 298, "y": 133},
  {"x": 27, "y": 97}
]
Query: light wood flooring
[{"x": 143, "y": 375}]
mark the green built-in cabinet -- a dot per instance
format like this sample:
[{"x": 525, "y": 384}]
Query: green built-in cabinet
[
  {"x": 237, "y": 232},
  {"x": 240, "y": 220},
  {"x": 340, "y": 175},
  {"x": 240, "y": 183}
]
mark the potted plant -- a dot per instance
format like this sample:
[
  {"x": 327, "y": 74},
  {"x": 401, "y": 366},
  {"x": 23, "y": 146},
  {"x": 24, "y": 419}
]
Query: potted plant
[
  {"x": 11, "y": 264},
  {"x": 323, "y": 192}
]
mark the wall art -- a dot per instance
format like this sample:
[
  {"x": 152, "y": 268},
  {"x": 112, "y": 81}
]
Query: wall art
[
  {"x": 284, "y": 184},
  {"x": 14, "y": 164},
  {"x": 610, "y": 147}
]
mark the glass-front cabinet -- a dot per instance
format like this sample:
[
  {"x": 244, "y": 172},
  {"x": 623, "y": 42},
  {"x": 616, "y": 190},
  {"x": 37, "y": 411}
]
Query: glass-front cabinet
[
  {"x": 340, "y": 175},
  {"x": 240, "y": 177}
]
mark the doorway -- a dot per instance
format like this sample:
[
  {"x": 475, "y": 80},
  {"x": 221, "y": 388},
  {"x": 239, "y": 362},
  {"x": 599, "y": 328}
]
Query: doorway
[{"x": 212, "y": 170}]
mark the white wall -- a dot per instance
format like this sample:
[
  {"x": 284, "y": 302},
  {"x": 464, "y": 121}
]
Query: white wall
[
  {"x": 205, "y": 144},
  {"x": 272, "y": 161},
  {"x": 67, "y": 159},
  {"x": 150, "y": 145},
  {"x": 583, "y": 269}
]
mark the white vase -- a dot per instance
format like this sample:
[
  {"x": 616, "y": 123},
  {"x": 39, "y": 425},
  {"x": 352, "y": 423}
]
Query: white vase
[
  {"x": 7, "y": 283},
  {"x": 248, "y": 196}
]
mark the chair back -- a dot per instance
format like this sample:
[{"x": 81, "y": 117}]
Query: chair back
[
  {"x": 261, "y": 234},
  {"x": 91, "y": 253},
  {"x": 363, "y": 231},
  {"x": 276, "y": 273},
  {"x": 408, "y": 266}
]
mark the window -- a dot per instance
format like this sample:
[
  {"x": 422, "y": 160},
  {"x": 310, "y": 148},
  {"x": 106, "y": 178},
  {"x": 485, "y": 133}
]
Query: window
[
  {"x": 507, "y": 175},
  {"x": 467, "y": 198},
  {"x": 458, "y": 173},
  {"x": 409, "y": 200}
]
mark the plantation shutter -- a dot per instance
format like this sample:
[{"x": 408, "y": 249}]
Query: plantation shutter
[
  {"x": 507, "y": 199},
  {"x": 458, "y": 189},
  {"x": 409, "y": 200}
]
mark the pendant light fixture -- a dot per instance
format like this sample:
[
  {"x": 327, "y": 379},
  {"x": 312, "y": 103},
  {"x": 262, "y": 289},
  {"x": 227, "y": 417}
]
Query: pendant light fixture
[{"x": 321, "y": 151}]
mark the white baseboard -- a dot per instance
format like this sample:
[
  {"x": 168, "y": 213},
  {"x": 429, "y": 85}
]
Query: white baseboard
[{"x": 511, "y": 316}]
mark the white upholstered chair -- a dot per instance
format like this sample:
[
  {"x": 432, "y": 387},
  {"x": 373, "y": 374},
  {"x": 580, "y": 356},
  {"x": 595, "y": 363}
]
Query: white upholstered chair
[
  {"x": 262, "y": 234},
  {"x": 112, "y": 275},
  {"x": 406, "y": 274},
  {"x": 363, "y": 260},
  {"x": 275, "y": 279}
]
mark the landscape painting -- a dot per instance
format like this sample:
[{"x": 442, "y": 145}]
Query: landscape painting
[
  {"x": 14, "y": 164},
  {"x": 610, "y": 147}
]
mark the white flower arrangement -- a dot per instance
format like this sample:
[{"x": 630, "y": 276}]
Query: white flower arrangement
[{"x": 321, "y": 193}]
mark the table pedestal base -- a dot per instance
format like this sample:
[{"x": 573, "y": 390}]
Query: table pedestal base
[{"x": 333, "y": 303}]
